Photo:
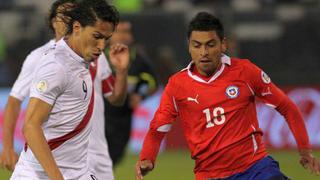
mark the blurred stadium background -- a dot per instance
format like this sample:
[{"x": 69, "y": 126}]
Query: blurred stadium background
[{"x": 281, "y": 36}]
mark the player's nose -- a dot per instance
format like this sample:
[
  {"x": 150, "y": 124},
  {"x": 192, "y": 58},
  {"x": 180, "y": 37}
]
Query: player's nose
[{"x": 101, "y": 44}]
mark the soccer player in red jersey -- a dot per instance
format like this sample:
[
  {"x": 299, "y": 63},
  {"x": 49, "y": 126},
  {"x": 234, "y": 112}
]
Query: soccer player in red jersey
[{"x": 214, "y": 97}]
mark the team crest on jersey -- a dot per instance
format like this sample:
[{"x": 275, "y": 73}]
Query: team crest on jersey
[
  {"x": 232, "y": 91},
  {"x": 42, "y": 86},
  {"x": 265, "y": 78}
]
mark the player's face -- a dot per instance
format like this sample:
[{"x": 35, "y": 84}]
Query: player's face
[
  {"x": 91, "y": 40},
  {"x": 206, "y": 48},
  {"x": 122, "y": 34}
]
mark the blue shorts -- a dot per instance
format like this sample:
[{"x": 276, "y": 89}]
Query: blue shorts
[{"x": 264, "y": 169}]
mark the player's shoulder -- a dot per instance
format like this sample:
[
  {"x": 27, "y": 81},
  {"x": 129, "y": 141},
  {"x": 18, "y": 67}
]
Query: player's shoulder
[
  {"x": 51, "y": 62},
  {"x": 42, "y": 50},
  {"x": 179, "y": 77},
  {"x": 37, "y": 54},
  {"x": 243, "y": 64},
  {"x": 240, "y": 62}
]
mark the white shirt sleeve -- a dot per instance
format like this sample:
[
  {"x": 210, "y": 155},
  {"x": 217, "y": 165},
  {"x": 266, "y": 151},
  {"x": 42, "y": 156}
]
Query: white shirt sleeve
[
  {"x": 104, "y": 67},
  {"x": 21, "y": 87},
  {"x": 50, "y": 80},
  {"x": 107, "y": 79}
]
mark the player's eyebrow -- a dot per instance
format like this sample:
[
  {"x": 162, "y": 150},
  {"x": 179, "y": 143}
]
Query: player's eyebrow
[
  {"x": 209, "y": 41},
  {"x": 103, "y": 36}
]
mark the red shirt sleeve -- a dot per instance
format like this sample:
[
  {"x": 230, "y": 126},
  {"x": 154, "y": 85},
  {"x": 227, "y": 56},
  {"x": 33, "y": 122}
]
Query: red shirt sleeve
[
  {"x": 160, "y": 124},
  {"x": 108, "y": 85},
  {"x": 270, "y": 94}
]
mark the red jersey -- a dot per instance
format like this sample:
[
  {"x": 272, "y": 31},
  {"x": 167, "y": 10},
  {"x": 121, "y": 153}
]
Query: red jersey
[{"x": 218, "y": 116}]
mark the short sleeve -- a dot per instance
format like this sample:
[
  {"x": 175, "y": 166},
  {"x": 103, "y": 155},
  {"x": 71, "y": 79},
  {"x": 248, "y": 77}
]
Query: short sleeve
[
  {"x": 105, "y": 67},
  {"x": 21, "y": 87},
  {"x": 49, "y": 81},
  {"x": 106, "y": 75}
]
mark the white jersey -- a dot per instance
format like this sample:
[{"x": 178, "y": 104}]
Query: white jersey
[
  {"x": 20, "y": 89},
  {"x": 99, "y": 160},
  {"x": 62, "y": 79}
]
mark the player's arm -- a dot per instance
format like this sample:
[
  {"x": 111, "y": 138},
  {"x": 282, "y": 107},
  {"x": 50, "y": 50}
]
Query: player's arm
[
  {"x": 8, "y": 157},
  {"x": 159, "y": 126},
  {"x": 274, "y": 97},
  {"x": 296, "y": 124},
  {"x": 37, "y": 113},
  {"x": 19, "y": 91},
  {"x": 49, "y": 82},
  {"x": 119, "y": 58}
]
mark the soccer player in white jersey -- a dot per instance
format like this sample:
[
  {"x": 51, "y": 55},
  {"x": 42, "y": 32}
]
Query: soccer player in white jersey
[
  {"x": 57, "y": 124},
  {"x": 20, "y": 89}
]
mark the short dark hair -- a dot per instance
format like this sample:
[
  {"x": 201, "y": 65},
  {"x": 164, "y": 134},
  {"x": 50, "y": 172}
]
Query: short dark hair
[
  {"x": 53, "y": 10},
  {"x": 87, "y": 12},
  {"x": 204, "y": 21}
]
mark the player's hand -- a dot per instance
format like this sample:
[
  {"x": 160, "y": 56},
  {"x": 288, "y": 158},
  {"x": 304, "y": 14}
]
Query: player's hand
[
  {"x": 142, "y": 168},
  {"x": 308, "y": 161},
  {"x": 119, "y": 57},
  {"x": 8, "y": 159}
]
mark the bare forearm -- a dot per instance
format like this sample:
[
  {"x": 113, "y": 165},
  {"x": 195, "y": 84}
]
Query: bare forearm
[
  {"x": 11, "y": 114},
  {"x": 38, "y": 144},
  {"x": 120, "y": 88}
]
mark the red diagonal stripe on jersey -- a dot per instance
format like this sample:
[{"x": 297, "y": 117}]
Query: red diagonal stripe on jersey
[
  {"x": 108, "y": 84},
  {"x": 56, "y": 142}
]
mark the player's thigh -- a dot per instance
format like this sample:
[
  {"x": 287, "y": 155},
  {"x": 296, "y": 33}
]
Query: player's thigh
[
  {"x": 101, "y": 169},
  {"x": 270, "y": 170}
]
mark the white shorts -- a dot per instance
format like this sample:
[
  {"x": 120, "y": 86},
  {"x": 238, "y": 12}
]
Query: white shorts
[
  {"x": 22, "y": 174},
  {"x": 101, "y": 167}
]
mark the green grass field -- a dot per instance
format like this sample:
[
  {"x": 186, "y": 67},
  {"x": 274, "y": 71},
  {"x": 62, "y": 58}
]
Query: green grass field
[{"x": 177, "y": 165}]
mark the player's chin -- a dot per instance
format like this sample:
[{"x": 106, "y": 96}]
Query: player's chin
[
  {"x": 206, "y": 65},
  {"x": 206, "y": 69}
]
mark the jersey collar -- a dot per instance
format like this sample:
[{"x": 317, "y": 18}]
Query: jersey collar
[{"x": 226, "y": 60}]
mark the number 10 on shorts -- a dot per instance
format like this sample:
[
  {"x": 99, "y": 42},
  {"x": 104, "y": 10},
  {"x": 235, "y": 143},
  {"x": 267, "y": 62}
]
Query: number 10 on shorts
[{"x": 218, "y": 116}]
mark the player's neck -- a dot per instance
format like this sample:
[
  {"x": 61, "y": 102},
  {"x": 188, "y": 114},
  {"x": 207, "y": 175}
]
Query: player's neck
[
  {"x": 58, "y": 37},
  {"x": 73, "y": 45},
  {"x": 203, "y": 75}
]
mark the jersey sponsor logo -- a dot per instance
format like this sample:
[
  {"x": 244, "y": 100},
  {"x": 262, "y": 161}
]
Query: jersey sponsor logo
[
  {"x": 194, "y": 99},
  {"x": 42, "y": 86},
  {"x": 265, "y": 78},
  {"x": 232, "y": 91}
]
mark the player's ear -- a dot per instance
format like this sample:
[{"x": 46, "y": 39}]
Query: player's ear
[
  {"x": 54, "y": 23},
  {"x": 189, "y": 45},
  {"x": 76, "y": 26},
  {"x": 224, "y": 45}
]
